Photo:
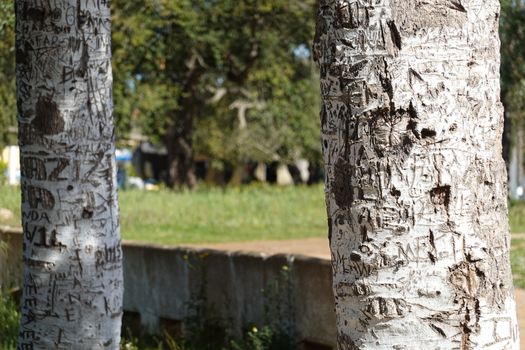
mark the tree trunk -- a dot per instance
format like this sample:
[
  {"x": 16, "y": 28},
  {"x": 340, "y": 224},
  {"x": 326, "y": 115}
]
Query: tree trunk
[
  {"x": 179, "y": 141},
  {"x": 415, "y": 182},
  {"x": 72, "y": 295}
]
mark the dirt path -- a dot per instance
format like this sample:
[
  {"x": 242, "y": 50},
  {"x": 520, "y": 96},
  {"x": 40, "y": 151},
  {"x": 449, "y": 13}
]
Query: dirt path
[{"x": 318, "y": 247}]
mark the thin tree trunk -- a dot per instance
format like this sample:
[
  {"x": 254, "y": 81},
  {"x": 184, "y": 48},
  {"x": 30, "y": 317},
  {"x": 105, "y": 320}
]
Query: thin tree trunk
[
  {"x": 415, "y": 182},
  {"x": 181, "y": 165},
  {"x": 72, "y": 295}
]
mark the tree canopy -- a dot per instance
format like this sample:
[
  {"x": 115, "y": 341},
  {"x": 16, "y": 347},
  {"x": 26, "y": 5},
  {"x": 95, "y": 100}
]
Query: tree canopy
[
  {"x": 512, "y": 34},
  {"x": 239, "y": 73},
  {"x": 7, "y": 72}
]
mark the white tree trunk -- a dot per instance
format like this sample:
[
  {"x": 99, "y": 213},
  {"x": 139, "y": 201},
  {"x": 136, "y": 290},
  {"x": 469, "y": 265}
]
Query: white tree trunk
[
  {"x": 415, "y": 181},
  {"x": 72, "y": 294}
]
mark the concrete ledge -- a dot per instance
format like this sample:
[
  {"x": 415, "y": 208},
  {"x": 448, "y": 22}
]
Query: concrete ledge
[{"x": 292, "y": 292}]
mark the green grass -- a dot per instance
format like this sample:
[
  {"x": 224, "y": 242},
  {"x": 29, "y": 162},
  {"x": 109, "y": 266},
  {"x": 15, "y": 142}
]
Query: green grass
[
  {"x": 517, "y": 216},
  {"x": 217, "y": 215},
  {"x": 212, "y": 214},
  {"x": 10, "y": 199},
  {"x": 9, "y": 320},
  {"x": 517, "y": 259}
]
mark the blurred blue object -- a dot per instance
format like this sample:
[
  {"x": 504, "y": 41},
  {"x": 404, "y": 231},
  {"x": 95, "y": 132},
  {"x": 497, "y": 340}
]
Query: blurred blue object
[{"x": 123, "y": 155}]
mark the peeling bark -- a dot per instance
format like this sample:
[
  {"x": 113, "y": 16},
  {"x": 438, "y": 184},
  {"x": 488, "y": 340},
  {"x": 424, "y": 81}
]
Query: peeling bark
[
  {"x": 72, "y": 294},
  {"x": 415, "y": 181}
]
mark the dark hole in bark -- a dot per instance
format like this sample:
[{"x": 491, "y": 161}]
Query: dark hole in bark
[
  {"x": 395, "y": 192},
  {"x": 70, "y": 188},
  {"x": 440, "y": 195},
  {"x": 33, "y": 14},
  {"x": 48, "y": 120},
  {"x": 427, "y": 133},
  {"x": 330, "y": 230},
  {"x": 432, "y": 257},
  {"x": 412, "y": 126},
  {"x": 21, "y": 54},
  {"x": 364, "y": 234},
  {"x": 87, "y": 213},
  {"x": 407, "y": 144},
  {"x": 342, "y": 187},
  {"x": 355, "y": 257},
  {"x": 412, "y": 111}
]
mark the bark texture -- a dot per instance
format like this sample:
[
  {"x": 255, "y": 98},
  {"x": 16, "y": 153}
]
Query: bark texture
[
  {"x": 72, "y": 295},
  {"x": 415, "y": 181}
]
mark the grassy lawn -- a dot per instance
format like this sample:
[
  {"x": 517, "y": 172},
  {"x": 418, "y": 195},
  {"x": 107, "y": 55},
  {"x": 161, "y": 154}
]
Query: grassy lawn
[
  {"x": 517, "y": 216},
  {"x": 217, "y": 215},
  {"x": 517, "y": 259},
  {"x": 212, "y": 214},
  {"x": 209, "y": 215}
]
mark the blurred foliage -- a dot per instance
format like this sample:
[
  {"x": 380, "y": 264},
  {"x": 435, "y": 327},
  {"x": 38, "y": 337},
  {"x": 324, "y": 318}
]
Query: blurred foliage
[
  {"x": 512, "y": 34},
  {"x": 232, "y": 214},
  {"x": 7, "y": 72},
  {"x": 9, "y": 321},
  {"x": 248, "y": 52},
  {"x": 238, "y": 72}
]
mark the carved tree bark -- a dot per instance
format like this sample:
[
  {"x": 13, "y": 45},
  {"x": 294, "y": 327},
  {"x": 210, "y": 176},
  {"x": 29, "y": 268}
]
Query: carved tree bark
[
  {"x": 72, "y": 295},
  {"x": 415, "y": 181}
]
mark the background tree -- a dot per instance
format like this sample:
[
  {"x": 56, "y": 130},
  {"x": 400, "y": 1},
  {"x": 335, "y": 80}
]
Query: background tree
[
  {"x": 72, "y": 291},
  {"x": 415, "y": 186},
  {"x": 207, "y": 76},
  {"x": 7, "y": 73},
  {"x": 512, "y": 33}
]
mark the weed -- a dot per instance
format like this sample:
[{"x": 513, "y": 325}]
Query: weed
[{"x": 9, "y": 321}]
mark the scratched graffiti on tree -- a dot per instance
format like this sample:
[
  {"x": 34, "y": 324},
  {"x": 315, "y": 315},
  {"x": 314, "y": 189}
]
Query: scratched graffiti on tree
[
  {"x": 415, "y": 181},
  {"x": 72, "y": 295}
]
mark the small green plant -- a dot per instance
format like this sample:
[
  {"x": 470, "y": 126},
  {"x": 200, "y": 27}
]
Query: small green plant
[
  {"x": 173, "y": 344},
  {"x": 9, "y": 313},
  {"x": 3, "y": 177},
  {"x": 9, "y": 321},
  {"x": 256, "y": 339}
]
